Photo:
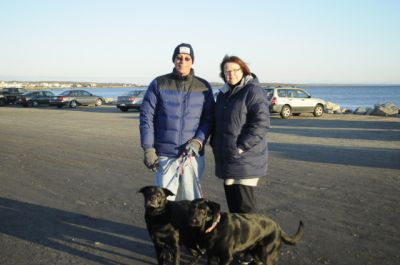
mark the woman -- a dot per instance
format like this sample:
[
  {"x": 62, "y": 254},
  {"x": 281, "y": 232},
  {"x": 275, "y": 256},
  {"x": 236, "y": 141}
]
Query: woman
[{"x": 239, "y": 139}]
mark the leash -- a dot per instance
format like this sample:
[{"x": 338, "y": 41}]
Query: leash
[
  {"x": 183, "y": 161},
  {"x": 196, "y": 178},
  {"x": 189, "y": 153}
]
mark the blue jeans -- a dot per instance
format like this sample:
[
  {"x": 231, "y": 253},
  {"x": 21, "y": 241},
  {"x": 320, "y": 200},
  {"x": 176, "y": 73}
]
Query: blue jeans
[{"x": 185, "y": 186}]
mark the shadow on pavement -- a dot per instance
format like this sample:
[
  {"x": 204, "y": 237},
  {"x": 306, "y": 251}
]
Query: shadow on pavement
[
  {"x": 367, "y": 157},
  {"x": 337, "y": 123},
  {"x": 80, "y": 235}
]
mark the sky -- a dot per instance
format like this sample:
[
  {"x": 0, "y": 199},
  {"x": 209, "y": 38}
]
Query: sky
[{"x": 285, "y": 41}]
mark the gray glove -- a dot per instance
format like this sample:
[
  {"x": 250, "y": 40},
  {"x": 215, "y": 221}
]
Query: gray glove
[
  {"x": 193, "y": 147},
  {"x": 150, "y": 158}
]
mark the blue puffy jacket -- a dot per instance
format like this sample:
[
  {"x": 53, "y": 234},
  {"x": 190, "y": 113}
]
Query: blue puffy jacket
[{"x": 175, "y": 109}]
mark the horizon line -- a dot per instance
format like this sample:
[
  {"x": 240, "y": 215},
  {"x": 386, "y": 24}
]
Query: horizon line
[{"x": 212, "y": 82}]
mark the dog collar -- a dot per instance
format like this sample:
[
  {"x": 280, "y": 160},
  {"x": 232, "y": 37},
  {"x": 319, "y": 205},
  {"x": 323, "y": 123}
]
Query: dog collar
[{"x": 214, "y": 224}]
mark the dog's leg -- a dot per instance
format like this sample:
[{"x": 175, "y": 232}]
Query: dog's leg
[
  {"x": 195, "y": 257},
  {"x": 273, "y": 253},
  {"x": 273, "y": 258},
  {"x": 159, "y": 254},
  {"x": 177, "y": 252}
]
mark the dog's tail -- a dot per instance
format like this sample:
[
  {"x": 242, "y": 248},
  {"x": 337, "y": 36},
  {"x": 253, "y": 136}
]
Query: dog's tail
[{"x": 292, "y": 240}]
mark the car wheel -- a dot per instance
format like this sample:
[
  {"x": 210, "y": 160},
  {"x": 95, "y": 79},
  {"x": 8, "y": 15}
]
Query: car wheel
[
  {"x": 59, "y": 106},
  {"x": 99, "y": 102},
  {"x": 72, "y": 104},
  {"x": 285, "y": 112},
  {"x": 124, "y": 109},
  {"x": 318, "y": 111}
]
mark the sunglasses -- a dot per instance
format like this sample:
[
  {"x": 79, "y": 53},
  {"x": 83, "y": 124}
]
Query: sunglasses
[{"x": 181, "y": 58}]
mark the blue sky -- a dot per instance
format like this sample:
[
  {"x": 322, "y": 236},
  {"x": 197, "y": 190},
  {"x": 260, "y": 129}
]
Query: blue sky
[{"x": 298, "y": 41}]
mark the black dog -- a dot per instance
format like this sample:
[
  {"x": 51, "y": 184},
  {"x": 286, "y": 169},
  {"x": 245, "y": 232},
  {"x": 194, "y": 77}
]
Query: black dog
[
  {"x": 167, "y": 224},
  {"x": 224, "y": 235}
]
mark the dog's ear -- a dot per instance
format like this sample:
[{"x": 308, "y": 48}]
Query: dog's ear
[
  {"x": 215, "y": 209},
  {"x": 168, "y": 192}
]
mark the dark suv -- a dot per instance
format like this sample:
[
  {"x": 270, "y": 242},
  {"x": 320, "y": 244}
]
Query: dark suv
[
  {"x": 10, "y": 94},
  {"x": 74, "y": 98},
  {"x": 290, "y": 100}
]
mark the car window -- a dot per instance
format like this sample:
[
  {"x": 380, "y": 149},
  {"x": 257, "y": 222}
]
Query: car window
[
  {"x": 282, "y": 93},
  {"x": 136, "y": 93},
  {"x": 292, "y": 93},
  {"x": 301, "y": 94},
  {"x": 269, "y": 92},
  {"x": 48, "y": 93},
  {"x": 65, "y": 93},
  {"x": 85, "y": 93}
]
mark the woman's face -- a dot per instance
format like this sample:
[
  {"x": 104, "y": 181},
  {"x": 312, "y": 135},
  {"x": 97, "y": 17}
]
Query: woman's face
[{"x": 233, "y": 73}]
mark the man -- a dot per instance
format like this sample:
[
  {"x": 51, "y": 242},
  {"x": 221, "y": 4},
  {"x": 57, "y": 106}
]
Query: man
[{"x": 175, "y": 121}]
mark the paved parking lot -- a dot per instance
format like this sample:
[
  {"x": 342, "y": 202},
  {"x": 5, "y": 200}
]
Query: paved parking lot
[{"x": 69, "y": 181}]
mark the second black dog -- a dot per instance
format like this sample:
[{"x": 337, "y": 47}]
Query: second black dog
[
  {"x": 223, "y": 234},
  {"x": 167, "y": 224}
]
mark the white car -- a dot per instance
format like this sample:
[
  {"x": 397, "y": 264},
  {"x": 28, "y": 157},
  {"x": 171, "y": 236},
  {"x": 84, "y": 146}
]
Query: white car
[{"x": 290, "y": 100}]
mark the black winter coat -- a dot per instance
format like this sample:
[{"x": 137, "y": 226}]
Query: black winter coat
[{"x": 241, "y": 120}]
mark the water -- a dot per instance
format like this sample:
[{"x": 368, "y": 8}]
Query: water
[{"x": 349, "y": 97}]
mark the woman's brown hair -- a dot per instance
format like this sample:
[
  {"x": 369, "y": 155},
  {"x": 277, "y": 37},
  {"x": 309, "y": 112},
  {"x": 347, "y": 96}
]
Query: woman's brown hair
[{"x": 234, "y": 59}]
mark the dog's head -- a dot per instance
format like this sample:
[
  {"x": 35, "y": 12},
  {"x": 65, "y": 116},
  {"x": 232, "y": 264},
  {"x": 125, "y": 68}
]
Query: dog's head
[
  {"x": 203, "y": 213},
  {"x": 155, "y": 198}
]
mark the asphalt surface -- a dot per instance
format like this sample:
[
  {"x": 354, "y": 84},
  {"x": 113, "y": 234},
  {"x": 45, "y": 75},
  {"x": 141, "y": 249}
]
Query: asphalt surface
[{"x": 69, "y": 181}]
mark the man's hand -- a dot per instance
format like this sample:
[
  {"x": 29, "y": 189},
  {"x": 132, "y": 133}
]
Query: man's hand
[
  {"x": 193, "y": 147},
  {"x": 150, "y": 158}
]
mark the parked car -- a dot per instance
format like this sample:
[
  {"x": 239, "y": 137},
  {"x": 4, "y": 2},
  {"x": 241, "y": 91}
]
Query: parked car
[
  {"x": 74, "y": 98},
  {"x": 10, "y": 94},
  {"x": 2, "y": 100},
  {"x": 131, "y": 100},
  {"x": 290, "y": 100},
  {"x": 35, "y": 98}
]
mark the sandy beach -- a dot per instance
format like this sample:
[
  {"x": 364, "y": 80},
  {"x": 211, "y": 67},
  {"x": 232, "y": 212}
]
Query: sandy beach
[{"x": 69, "y": 181}]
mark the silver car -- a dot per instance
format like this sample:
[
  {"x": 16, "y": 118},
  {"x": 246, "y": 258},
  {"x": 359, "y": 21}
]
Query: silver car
[
  {"x": 290, "y": 100},
  {"x": 131, "y": 100},
  {"x": 74, "y": 98}
]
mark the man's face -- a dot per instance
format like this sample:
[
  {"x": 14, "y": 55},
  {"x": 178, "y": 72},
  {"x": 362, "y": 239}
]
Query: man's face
[{"x": 183, "y": 64}]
